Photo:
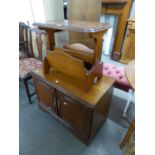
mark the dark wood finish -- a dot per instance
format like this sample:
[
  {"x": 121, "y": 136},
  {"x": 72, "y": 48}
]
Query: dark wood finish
[
  {"x": 74, "y": 25},
  {"x": 114, "y": 1},
  {"x": 51, "y": 38},
  {"x": 76, "y": 114},
  {"x": 23, "y": 38},
  {"x": 46, "y": 95},
  {"x": 83, "y": 113},
  {"x": 121, "y": 8},
  {"x": 95, "y": 30}
]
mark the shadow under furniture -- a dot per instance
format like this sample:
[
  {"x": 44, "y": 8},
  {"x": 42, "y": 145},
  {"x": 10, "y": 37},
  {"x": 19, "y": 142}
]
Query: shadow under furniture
[{"x": 37, "y": 48}]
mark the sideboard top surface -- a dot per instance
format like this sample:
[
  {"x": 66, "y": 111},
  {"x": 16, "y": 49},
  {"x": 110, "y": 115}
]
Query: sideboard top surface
[
  {"x": 74, "y": 25},
  {"x": 68, "y": 84}
]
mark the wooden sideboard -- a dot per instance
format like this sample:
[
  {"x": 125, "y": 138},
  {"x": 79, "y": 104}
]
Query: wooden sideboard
[{"x": 61, "y": 96}]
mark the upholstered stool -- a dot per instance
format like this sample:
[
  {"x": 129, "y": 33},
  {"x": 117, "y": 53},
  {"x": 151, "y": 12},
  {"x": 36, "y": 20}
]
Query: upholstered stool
[{"x": 118, "y": 74}]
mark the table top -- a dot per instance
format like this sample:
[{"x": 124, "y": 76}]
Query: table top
[
  {"x": 74, "y": 25},
  {"x": 114, "y": 1},
  {"x": 130, "y": 73},
  {"x": 73, "y": 87}
]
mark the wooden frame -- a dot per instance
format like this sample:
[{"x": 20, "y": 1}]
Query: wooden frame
[{"x": 121, "y": 8}]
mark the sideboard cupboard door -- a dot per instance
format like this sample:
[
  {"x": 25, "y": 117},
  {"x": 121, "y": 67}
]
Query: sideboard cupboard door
[
  {"x": 75, "y": 114},
  {"x": 46, "y": 95}
]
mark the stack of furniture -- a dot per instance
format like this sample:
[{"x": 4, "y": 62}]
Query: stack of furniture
[{"x": 71, "y": 88}]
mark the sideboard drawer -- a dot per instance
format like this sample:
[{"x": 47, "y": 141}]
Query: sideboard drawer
[{"x": 76, "y": 114}]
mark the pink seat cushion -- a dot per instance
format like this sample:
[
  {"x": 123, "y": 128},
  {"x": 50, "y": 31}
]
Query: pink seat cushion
[
  {"x": 26, "y": 66},
  {"x": 118, "y": 74},
  {"x": 22, "y": 55}
]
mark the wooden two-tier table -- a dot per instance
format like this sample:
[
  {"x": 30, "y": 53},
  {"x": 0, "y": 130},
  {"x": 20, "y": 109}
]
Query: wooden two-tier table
[{"x": 95, "y": 30}]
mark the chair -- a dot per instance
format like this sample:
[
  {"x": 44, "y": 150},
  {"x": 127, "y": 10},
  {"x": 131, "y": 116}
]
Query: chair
[
  {"x": 37, "y": 48},
  {"x": 23, "y": 40}
]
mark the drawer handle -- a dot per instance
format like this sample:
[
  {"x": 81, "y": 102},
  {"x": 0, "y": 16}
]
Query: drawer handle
[{"x": 65, "y": 103}]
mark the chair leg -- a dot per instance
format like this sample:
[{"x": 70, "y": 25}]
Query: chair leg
[
  {"x": 25, "y": 81},
  {"x": 130, "y": 98}
]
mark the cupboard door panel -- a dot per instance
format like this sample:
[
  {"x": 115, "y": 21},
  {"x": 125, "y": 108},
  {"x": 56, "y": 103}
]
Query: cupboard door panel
[
  {"x": 46, "y": 95},
  {"x": 76, "y": 114}
]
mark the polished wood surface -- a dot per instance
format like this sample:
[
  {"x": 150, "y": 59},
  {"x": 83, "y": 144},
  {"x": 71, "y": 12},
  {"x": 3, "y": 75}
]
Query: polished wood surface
[
  {"x": 130, "y": 73},
  {"x": 83, "y": 113},
  {"x": 70, "y": 109},
  {"x": 128, "y": 51},
  {"x": 95, "y": 30},
  {"x": 46, "y": 95},
  {"x": 65, "y": 83},
  {"x": 74, "y": 25},
  {"x": 114, "y": 1},
  {"x": 73, "y": 67}
]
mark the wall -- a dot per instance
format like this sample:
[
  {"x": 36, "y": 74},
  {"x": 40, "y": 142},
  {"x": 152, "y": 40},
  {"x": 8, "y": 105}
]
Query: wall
[
  {"x": 40, "y": 10},
  {"x": 53, "y": 9}
]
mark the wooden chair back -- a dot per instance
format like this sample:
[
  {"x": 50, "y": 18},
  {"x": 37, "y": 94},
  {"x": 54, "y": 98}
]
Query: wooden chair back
[
  {"x": 39, "y": 44},
  {"x": 23, "y": 37}
]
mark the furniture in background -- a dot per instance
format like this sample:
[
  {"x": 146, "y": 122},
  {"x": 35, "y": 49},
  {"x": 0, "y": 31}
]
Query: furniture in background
[
  {"x": 118, "y": 74},
  {"x": 62, "y": 96},
  {"x": 90, "y": 10},
  {"x": 23, "y": 40},
  {"x": 37, "y": 45},
  {"x": 130, "y": 75},
  {"x": 128, "y": 51},
  {"x": 120, "y": 8},
  {"x": 128, "y": 142}
]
